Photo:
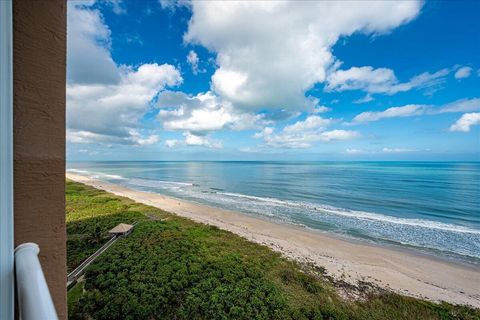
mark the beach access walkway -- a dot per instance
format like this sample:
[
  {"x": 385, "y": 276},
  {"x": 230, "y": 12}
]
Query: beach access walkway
[
  {"x": 121, "y": 230},
  {"x": 73, "y": 276}
]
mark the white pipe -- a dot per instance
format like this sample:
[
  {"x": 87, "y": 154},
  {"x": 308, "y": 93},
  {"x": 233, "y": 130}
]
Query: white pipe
[{"x": 34, "y": 300}]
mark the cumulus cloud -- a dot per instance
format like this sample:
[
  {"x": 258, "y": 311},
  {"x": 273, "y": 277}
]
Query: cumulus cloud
[
  {"x": 462, "y": 105},
  {"x": 321, "y": 109},
  {"x": 463, "y": 72},
  {"x": 193, "y": 60},
  {"x": 134, "y": 138},
  {"x": 465, "y": 122},
  {"x": 353, "y": 151},
  {"x": 200, "y": 113},
  {"x": 203, "y": 113},
  {"x": 285, "y": 48},
  {"x": 365, "y": 78},
  {"x": 267, "y": 131},
  {"x": 171, "y": 143},
  {"x": 338, "y": 135},
  {"x": 88, "y": 46},
  {"x": 303, "y": 134},
  {"x": 194, "y": 140},
  {"x": 381, "y": 80},
  {"x": 310, "y": 123},
  {"x": 105, "y": 103},
  {"x": 306, "y": 139},
  {"x": 115, "y": 109},
  {"x": 138, "y": 139}
]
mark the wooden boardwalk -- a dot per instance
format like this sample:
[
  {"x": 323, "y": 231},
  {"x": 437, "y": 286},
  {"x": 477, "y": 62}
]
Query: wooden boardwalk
[{"x": 78, "y": 272}]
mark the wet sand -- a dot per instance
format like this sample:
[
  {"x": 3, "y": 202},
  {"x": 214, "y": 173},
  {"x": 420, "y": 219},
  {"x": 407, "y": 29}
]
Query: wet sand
[{"x": 401, "y": 271}]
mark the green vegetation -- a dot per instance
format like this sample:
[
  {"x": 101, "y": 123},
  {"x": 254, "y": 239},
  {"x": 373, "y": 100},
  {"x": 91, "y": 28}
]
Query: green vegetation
[
  {"x": 74, "y": 295},
  {"x": 174, "y": 268},
  {"x": 90, "y": 214}
]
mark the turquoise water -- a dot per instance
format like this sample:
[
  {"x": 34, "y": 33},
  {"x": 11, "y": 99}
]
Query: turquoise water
[{"x": 429, "y": 206}]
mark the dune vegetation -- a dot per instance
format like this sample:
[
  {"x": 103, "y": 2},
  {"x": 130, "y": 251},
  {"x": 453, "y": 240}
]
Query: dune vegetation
[{"x": 173, "y": 268}]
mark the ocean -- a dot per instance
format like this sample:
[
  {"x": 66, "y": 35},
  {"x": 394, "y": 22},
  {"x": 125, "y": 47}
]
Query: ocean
[{"x": 431, "y": 207}]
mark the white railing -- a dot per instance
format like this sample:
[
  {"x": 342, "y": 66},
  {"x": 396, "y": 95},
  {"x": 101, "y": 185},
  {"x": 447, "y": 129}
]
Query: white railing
[{"x": 34, "y": 300}]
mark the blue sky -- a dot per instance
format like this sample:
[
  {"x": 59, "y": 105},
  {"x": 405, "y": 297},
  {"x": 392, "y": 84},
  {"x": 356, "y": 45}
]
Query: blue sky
[{"x": 156, "y": 80}]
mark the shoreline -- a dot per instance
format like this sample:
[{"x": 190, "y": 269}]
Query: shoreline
[{"x": 401, "y": 271}]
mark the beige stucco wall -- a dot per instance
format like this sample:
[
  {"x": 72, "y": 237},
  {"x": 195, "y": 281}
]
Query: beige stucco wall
[{"x": 39, "y": 72}]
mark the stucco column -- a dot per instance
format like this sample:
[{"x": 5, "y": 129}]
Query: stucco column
[{"x": 39, "y": 75}]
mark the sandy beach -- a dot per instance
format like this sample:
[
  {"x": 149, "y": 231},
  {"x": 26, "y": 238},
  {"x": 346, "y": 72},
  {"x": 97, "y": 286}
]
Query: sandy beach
[{"x": 398, "y": 270}]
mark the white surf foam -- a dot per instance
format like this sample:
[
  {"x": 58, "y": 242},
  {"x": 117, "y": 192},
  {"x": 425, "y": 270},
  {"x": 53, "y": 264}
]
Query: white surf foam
[
  {"x": 358, "y": 214},
  {"x": 313, "y": 209},
  {"x": 96, "y": 175}
]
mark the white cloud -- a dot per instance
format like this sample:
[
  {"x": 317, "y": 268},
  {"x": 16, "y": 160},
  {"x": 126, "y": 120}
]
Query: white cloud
[
  {"x": 365, "y": 99},
  {"x": 202, "y": 113},
  {"x": 365, "y": 78},
  {"x": 398, "y": 150},
  {"x": 466, "y": 121},
  {"x": 463, "y": 72},
  {"x": 303, "y": 134},
  {"x": 88, "y": 54},
  {"x": 116, "y": 109},
  {"x": 105, "y": 103},
  {"x": 380, "y": 80},
  {"x": 194, "y": 140},
  {"x": 133, "y": 38},
  {"x": 267, "y": 131},
  {"x": 353, "y": 151},
  {"x": 285, "y": 48},
  {"x": 173, "y": 4},
  {"x": 393, "y": 112},
  {"x": 338, "y": 135},
  {"x": 138, "y": 139},
  {"x": 87, "y": 137},
  {"x": 117, "y": 6},
  {"x": 306, "y": 139},
  {"x": 171, "y": 143},
  {"x": 321, "y": 109},
  {"x": 193, "y": 60},
  {"x": 462, "y": 105},
  {"x": 249, "y": 150},
  {"x": 310, "y": 123},
  {"x": 199, "y": 115}
]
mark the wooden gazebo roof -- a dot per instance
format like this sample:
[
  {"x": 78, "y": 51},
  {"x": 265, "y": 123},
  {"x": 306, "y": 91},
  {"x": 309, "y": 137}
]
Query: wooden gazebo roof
[{"x": 121, "y": 228}]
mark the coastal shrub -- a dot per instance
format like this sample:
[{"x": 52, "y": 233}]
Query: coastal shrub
[
  {"x": 90, "y": 214},
  {"x": 173, "y": 268},
  {"x": 74, "y": 295}
]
